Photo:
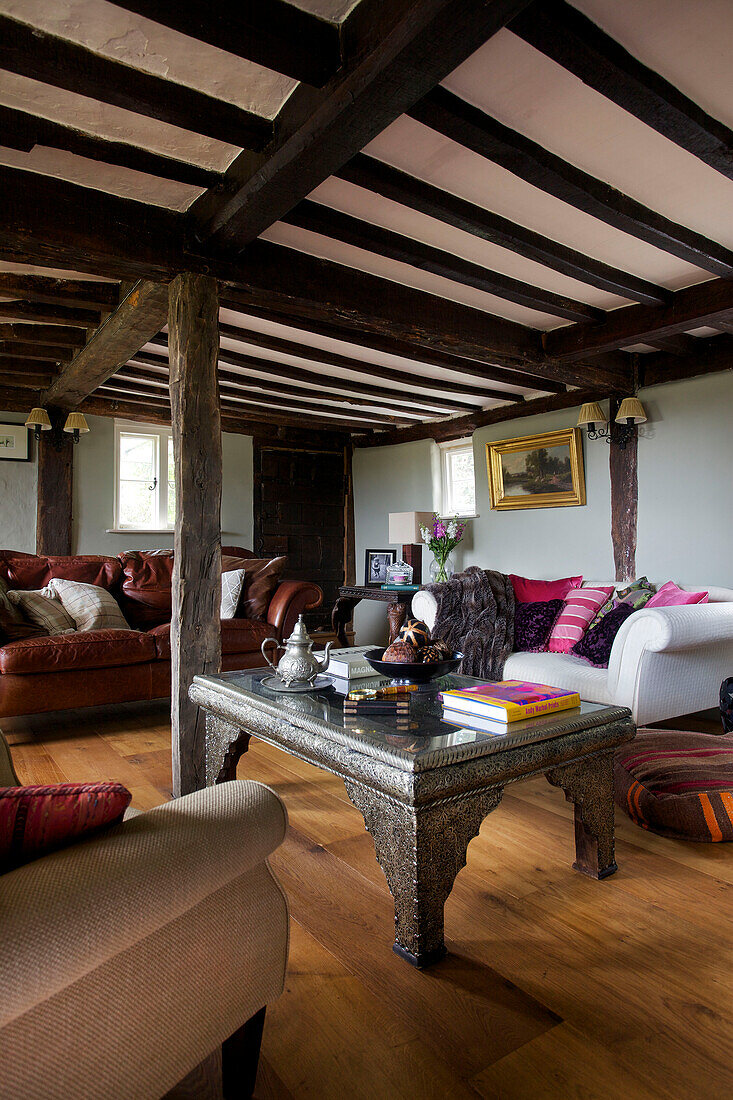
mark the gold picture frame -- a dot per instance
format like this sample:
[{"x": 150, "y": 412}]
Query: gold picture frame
[{"x": 541, "y": 480}]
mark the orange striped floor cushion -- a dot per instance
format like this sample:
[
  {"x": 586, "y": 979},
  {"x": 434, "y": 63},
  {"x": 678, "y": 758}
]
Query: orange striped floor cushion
[{"x": 677, "y": 784}]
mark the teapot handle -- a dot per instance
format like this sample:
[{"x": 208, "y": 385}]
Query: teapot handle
[
  {"x": 323, "y": 663},
  {"x": 278, "y": 645}
]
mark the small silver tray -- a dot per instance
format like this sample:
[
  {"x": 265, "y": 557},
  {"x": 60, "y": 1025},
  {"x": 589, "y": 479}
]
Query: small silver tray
[{"x": 276, "y": 684}]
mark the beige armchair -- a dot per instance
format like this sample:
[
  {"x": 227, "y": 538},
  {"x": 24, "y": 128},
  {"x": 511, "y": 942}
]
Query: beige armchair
[{"x": 145, "y": 955}]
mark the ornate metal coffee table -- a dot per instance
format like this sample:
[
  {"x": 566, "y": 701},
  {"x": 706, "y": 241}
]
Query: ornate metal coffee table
[{"x": 424, "y": 793}]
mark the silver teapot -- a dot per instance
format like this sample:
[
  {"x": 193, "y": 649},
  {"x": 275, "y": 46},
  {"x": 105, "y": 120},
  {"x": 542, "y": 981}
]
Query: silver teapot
[{"x": 298, "y": 665}]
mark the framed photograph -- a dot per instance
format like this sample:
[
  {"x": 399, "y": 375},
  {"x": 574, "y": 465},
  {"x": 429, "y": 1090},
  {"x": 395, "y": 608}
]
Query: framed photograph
[
  {"x": 15, "y": 443},
  {"x": 376, "y": 564},
  {"x": 537, "y": 471}
]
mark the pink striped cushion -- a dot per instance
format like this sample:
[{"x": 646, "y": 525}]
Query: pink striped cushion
[{"x": 581, "y": 606}]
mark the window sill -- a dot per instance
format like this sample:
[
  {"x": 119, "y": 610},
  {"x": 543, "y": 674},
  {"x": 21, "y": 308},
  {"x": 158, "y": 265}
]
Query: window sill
[
  {"x": 139, "y": 531},
  {"x": 473, "y": 515}
]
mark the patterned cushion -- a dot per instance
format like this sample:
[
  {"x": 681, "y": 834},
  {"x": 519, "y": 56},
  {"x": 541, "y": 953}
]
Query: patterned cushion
[
  {"x": 533, "y": 623},
  {"x": 669, "y": 595},
  {"x": 43, "y": 609},
  {"x": 13, "y": 625},
  {"x": 637, "y": 595},
  {"x": 581, "y": 607},
  {"x": 91, "y": 607},
  {"x": 529, "y": 591},
  {"x": 232, "y": 583},
  {"x": 36, "y": 820},
  {"x": 677, "y": 784},
  {"x": 596, "y": 644}
]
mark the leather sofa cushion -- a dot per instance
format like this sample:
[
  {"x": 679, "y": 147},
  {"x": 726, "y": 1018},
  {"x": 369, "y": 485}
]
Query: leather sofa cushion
[
  {"x": 88, "y": 649},
  {"x": 147, "y": 577},
  {"x": 237, "y": 636},
  {"x": 30, "y": 571}
]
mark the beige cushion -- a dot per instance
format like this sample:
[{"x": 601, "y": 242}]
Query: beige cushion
[
  {"x": 231, "y": 589},
  {"x": 43, "y": 608},
  {"x": 91, "y": 607}
]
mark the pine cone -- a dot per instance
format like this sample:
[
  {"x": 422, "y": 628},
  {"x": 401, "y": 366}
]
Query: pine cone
[
  {"x": 431, "y": 653},
  {"x": 400, "y": 653}
]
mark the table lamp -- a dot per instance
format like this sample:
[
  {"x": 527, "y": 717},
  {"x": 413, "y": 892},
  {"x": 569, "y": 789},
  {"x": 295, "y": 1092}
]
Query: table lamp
[{"x": 404, "y": 529}]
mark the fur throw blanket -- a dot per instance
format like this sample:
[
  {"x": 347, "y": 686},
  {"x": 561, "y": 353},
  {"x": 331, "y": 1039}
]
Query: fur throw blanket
[{"x": 476, "y": 617}]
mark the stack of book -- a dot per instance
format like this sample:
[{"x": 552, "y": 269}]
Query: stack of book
[
  {"x": 395, "y": 706},
  {"x": 347, "y": 665},
  {"x": 494, "y": 707}
]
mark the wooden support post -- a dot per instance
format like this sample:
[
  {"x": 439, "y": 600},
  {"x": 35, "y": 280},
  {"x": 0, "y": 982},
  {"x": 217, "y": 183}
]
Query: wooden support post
[
  {"x": 55, "y": 483},
  {"x": 196, "y": 422},
  {"x": 349, "y": 530},
  {"x": 624, "y": 497}
]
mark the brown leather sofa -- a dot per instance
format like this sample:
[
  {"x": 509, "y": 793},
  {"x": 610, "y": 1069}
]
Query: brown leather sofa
[{"x": 118, "y": 666}]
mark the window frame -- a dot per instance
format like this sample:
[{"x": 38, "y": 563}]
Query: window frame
[
  {"x": 446, "y": 450},
  {"x": 163, "y": 438}
]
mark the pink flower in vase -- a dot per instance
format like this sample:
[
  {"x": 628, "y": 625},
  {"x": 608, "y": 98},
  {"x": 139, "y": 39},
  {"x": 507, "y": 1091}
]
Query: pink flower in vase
[{"x": 440, "y": 531}]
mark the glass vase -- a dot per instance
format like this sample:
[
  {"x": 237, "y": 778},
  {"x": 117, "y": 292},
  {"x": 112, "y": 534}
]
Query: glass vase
[{"x": 442, "y": 569}]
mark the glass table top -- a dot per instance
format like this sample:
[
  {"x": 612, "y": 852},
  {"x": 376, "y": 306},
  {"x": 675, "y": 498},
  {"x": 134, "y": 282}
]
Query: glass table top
[{"x": 417, "y": 738}]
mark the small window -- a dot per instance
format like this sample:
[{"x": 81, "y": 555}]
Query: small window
[
  {"x": 459, "y": 482},
  {"x": 145, "y": 494}
]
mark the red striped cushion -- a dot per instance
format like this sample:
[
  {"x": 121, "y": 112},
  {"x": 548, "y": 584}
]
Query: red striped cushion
[
  {"x": 677, "y": 784},
  {"x": 581, "y": 607},
  {"x": 36, "y": 820}
]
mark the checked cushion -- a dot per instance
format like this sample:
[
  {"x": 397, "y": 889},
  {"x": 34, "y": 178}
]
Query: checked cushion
[{"x": 677, "y": 784}]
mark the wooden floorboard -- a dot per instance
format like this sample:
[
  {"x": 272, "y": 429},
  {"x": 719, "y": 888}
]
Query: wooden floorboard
[{"x": 555, "y": 986}]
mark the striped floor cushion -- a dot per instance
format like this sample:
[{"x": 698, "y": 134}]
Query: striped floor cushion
[{"x": 677, "y": 784}]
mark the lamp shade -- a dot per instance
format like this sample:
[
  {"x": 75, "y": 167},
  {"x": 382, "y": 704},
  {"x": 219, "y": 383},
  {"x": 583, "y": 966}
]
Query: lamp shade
[
  {"x": 404, "y": 527},
  {"x": 38, "y": 418},
  {"x": 76, "y": 422},
  {"x": 631, "y": 411},
  {"x": 591, "y": 413}
]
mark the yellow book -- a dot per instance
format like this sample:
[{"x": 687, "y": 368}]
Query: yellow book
[{"x": 510, "y": 700}]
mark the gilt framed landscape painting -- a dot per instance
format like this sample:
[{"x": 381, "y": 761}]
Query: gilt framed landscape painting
[{"x": 537, "y": 471}]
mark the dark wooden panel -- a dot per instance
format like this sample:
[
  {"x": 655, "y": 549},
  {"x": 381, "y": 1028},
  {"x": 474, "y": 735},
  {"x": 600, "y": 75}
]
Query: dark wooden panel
[
  {"x": 55, "y": 472},
  {"x": 624, "y": 498},
  {"x": 463, "y": 123}
]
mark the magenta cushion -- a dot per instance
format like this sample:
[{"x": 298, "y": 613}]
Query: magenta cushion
[
  {"x": 581, "y": 607},
  {"x": 669, "y": 595},
  {"x": 529, "y": 591},
  {"x": 36, "y": 820}
]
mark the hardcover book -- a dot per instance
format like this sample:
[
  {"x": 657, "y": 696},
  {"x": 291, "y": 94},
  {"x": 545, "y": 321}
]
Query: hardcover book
[
  {"x": 509, "y": 700},
  {"x": 349, "y": 664}
]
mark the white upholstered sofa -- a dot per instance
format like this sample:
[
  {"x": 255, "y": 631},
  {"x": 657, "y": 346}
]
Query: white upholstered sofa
[{"x": 665, "y": 661}]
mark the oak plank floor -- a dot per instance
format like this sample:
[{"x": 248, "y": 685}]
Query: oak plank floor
[{"x": 555, "y": 986}]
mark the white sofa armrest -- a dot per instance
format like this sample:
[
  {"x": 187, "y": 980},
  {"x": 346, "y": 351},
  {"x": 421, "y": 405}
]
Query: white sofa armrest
[
  {"x": 65, "y": 914},
  {"x": 425, "y": 607}
]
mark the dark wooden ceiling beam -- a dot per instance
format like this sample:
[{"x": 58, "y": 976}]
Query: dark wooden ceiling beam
[
  {"x": 420, "y": 354},
  {"x": 14, "y": 399},
  {"x": 20, "y": 310},
  {"x": 458, "y": 427},
  {"x": 391, "y": 183},
  {"x": 681, "y": 344},
  {"x": 140, "y": 313},
  {"x": 34, "y": 53},
  {"x": 230, "y": 380},
  {"x": 81, "y": 293},
  {"x": 714, "y": 354},
  {"x": 31, "y": 380},
  {"x": 402, "y": 49},
  {"x": 43, "y": 334},
  {"x": 317, "y": 218},
  {"x": 567, "y": 36},
  {"x": 468, "y": 126},
  {"x": 694, "y": 307},
  {"x": 48, "y": 352},
  {"x": 21, "y": 130},
  {"x": 277, "y": 35}
]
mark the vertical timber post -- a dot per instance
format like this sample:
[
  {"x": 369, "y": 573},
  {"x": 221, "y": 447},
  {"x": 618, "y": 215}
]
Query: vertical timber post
[
  {"x": 55, "y": 485},
  {"x": 193, "y": 336},
  {"x": 624, "y": 499}
]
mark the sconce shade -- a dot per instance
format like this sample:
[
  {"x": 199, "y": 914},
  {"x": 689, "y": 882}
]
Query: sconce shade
[
  {"x": 631, "y": 410},
  {"x": 591, "y": 413},
  {"x": 404, "y": 527},
  {"x": 76, "y": 422},
  {"x": 38, "y": 418}
]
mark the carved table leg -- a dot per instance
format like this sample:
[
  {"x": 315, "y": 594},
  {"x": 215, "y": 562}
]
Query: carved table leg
[
  {"x": 396, "y": 613},
  {"x": 343, "y": 613},
  {"x": 225, "y": 744},
  {"x": 589, "y": 785},
  {"x": 421, "y": 850}
]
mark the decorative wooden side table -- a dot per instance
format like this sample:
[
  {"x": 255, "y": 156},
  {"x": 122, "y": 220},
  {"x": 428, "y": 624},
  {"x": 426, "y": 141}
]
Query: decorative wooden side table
[{"x": 351, "y": 595}]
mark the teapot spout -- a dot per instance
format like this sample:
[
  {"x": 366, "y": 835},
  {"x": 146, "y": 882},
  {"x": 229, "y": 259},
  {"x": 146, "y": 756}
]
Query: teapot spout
[{"x": 323, "y": 662}]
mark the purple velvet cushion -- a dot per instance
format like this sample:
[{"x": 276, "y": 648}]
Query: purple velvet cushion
[
  {"x": 533, "y": 623},
  {"x": 596, "y": 644}
]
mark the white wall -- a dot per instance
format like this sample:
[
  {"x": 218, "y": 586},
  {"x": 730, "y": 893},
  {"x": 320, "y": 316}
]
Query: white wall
[
  {"x": 685, "y": 523},
  {"x": 93, "y": 502},
  {"x": 18, "y": 498}
]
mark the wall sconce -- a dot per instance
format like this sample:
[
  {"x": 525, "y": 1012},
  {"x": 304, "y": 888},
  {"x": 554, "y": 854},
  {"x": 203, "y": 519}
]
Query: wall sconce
[
  {"x": 40, "y": 421},
  {"x": 593, "y": 419}
]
